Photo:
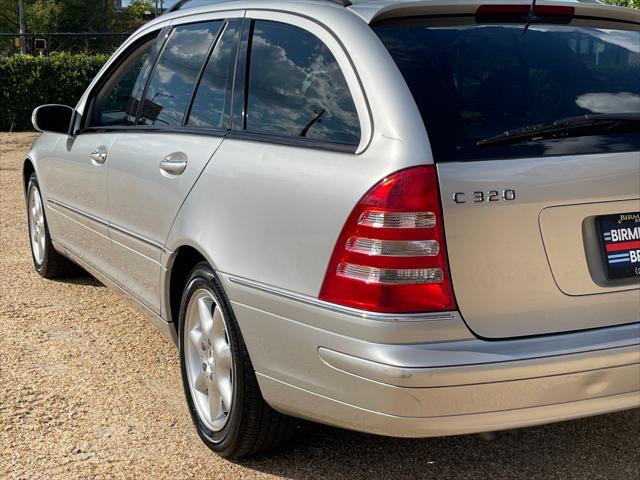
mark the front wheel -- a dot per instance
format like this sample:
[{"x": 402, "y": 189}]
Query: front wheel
[
  {"x": 46, "y": 260},
  {"x": 220, "y": 385}
]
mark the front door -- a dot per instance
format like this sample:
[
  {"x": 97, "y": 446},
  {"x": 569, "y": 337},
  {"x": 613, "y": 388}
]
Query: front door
[{"x": 77, "y": 195}]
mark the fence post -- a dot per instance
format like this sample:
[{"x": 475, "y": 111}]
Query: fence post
[{"x": 23, "y": 39}]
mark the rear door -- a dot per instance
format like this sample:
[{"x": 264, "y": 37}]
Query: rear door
[
  {"x": 525, "y": 219},
  {"x": 154, "y": 165}
]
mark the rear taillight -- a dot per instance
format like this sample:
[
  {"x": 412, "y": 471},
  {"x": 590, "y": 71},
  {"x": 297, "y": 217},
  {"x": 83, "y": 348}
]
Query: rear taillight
[{"x": 390, "y": 256}]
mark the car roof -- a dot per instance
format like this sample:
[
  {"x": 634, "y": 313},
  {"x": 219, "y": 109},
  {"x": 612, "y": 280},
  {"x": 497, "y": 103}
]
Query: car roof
[{"x": 370, "y": 10}]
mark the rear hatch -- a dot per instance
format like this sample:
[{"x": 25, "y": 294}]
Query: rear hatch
[{"x": 542, "y": 223}]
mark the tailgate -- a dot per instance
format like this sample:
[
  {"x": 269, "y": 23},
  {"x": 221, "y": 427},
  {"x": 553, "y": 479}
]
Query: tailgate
[{"x": 534, "y": 264}]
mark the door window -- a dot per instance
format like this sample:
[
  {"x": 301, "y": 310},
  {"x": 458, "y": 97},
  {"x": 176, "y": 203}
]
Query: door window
[
  {"x": 116, "y": 104},
  {"x": 296, "y": 87},
  {"x": 176, "y": 72},
  {"x": 211, "y": 104}
]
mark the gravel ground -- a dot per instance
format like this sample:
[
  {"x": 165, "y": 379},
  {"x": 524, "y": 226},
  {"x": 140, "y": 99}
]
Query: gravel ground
[{"x": 90, "y": 390}]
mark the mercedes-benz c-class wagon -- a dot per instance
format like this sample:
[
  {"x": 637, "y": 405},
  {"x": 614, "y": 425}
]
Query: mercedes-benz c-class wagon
[{"x": 413, "y": 219}]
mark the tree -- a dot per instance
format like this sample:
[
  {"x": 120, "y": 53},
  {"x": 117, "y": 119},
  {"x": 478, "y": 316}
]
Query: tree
[
  {"x": 626, "y": 3},
  {"x": 137, "y": 13},
  {"x": 44, "y": 15}
]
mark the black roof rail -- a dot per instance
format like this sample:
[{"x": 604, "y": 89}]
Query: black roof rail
[{"x": 180, "y": 3}]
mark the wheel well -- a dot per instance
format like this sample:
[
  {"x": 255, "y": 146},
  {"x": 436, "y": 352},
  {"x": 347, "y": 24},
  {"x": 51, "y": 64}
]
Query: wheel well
[
  {"x": 186, "y": 258},
  {"x": 27, "y": 170}
]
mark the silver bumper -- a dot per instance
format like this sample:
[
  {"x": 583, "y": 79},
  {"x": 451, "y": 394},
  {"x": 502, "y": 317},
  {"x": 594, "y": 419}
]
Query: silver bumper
[{"x": 426, "y": 377}]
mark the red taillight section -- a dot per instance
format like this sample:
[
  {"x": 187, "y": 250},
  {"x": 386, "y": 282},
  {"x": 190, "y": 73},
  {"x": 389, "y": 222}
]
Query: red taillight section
[
  {"x": 538, "y": 10},
  {"x": 391, "y": 256},
  {"x": 553, "y": 11},
  {"x": 503, "y": 10}
]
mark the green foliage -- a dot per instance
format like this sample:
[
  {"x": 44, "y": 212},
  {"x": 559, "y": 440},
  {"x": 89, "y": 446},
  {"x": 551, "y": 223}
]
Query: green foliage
[
  {"x": 136, "y": 14},
  {"x": 28, "y": 81},
  {"x": 626, "y": 3},
  {"x": 44, "y": 15}
]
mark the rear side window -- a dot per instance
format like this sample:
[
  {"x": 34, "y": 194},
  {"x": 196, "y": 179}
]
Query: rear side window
[
  {"x": 211, "y": 105},
  {"x": 173, "y": 79},
  {"x": 474, "y": 81},
  {"x": 296, "y": 87}
]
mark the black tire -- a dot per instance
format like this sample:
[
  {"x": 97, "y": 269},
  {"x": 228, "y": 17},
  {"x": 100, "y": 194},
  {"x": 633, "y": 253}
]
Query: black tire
[
  {"x": 252, "y": 426},
  {"x": 53, "y": 264}
]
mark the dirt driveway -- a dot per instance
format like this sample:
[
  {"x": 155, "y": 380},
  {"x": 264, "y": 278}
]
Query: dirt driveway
[{"x": 88, "y": 389}]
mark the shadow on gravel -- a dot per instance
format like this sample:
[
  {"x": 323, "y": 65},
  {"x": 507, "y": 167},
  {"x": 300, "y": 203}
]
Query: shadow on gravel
[
  {"x": 580, "y": 449},
  {"x": 83, "y": 279},
  {"x": 80, "y": 277}
]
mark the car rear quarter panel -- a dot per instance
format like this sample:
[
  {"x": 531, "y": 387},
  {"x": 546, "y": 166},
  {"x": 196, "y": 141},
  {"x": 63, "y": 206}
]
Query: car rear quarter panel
[{"x": 272, "y": 213}]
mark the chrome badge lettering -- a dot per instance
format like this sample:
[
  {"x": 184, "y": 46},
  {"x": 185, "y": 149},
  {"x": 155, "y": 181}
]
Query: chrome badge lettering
[{"x": 481, "y": 197}]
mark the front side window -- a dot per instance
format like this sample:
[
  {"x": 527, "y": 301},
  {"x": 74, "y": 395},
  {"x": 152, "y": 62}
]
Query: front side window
[
  {"x": 116, "y": 103},
  {"x": 296, "y": 87},
  {"x": 175, "y": 74},
  {"x": 474, "y": 81}
]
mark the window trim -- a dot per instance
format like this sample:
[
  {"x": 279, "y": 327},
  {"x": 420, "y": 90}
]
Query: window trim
[{"x": 320, "y": 30}]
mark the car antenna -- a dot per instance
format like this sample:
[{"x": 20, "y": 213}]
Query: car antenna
[{"x": 530, "y": 16}]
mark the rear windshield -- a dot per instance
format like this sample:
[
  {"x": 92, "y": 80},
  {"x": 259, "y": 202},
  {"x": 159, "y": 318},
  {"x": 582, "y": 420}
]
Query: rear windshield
[{"x": 474, "y": 81}]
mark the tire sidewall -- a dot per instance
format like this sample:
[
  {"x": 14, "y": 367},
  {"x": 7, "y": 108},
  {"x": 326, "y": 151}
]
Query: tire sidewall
[{"x": 202, "y": 276}]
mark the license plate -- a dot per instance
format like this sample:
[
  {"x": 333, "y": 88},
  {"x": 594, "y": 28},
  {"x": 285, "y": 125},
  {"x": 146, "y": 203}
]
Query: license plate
[{"x": 620, "y": 238}]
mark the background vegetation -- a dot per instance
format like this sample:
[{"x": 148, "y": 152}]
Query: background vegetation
[
  {"x": 626, "y": 3},
  {"x": 45, "y": 16},
  {"x": 28, "y": 81}
]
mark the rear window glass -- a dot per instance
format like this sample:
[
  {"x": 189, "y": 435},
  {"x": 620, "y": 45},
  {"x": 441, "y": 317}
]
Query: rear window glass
[
  {"x": 473, "y": 82},
  {"x": 296, "y": 87},
  {"x": 211, "y": 107},
  {"x": 175, "y": 74}
]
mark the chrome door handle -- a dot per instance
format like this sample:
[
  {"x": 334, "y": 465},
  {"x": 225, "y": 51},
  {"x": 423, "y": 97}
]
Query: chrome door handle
[
  {"x": 174, "y": 164},
  {"x": 99, "y": 155}
]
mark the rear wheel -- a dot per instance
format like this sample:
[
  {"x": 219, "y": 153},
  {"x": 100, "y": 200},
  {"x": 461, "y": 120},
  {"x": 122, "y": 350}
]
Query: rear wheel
[
  {"x": 47, "y": 261},
  {"x": 220, "y": 385}
]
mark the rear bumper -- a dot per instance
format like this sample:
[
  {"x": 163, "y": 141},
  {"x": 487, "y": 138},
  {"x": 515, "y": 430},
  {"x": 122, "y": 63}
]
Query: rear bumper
[{"x": 365, "y": 375}]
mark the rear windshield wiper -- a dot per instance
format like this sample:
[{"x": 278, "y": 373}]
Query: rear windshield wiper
[{"x": 589, "y": 124}]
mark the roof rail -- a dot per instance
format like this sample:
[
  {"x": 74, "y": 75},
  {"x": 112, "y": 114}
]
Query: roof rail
[
  {"x": 180, "y": 3},
  {"x": 176, "y": 6}
]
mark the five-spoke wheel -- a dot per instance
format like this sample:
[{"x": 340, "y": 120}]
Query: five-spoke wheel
[
  {"x": 209, "y": 363},
  {"x": 48, "y": 262},
  {"x": 37, "y": 232}
]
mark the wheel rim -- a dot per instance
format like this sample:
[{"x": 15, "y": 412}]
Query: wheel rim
[
  {"x": 208, "y": 359},
  {"x": 37, "y": 231}
]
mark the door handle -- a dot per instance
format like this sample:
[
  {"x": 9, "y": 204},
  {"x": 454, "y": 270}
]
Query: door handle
[
  {"x": 99, "y": 155},
  {"x": 174, "y": 164}
]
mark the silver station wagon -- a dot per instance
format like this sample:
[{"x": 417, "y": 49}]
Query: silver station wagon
[{"x": 414, "y": 218}]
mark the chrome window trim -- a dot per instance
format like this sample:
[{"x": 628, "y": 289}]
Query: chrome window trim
[{"x": 354, "y": 312}]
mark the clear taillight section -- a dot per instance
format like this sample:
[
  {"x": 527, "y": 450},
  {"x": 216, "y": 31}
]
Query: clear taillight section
[{"x": 390, "y": 256}]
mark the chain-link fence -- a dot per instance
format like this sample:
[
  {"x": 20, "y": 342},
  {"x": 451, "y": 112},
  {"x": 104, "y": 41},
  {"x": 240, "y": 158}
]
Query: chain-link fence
[{"x": 45, "y": 43}]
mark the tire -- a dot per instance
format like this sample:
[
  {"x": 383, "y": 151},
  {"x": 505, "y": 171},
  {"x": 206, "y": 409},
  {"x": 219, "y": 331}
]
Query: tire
[
  {"x": 220, "y": 385},
  {"x": 46, "y": 260}
]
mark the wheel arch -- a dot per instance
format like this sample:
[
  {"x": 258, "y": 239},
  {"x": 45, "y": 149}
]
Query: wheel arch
[
  {"x": 28, "y": 168},
  {"x": 182, "y": 261}
]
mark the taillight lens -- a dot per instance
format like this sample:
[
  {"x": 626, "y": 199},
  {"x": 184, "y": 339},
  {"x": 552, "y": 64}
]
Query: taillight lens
[
  {"x": 391, "y": 256},
  {"x": 501, "y": 10}
]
